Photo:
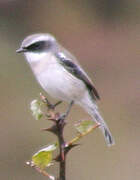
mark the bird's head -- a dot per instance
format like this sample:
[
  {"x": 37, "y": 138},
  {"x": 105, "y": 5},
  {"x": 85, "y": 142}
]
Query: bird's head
[{"x": 37, "y": 45}]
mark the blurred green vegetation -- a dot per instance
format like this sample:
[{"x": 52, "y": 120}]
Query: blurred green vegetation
[{"x": 103, "y": 34}]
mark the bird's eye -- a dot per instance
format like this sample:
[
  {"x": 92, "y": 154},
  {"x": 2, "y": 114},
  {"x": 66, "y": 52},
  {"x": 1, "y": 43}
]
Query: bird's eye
[{"x": 36, "y": 46}]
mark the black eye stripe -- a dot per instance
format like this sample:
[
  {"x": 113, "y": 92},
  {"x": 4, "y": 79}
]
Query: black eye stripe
[{"x": 36, "y": 46}]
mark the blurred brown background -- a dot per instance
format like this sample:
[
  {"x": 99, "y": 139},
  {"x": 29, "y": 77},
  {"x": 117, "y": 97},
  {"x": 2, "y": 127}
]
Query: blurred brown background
[{"x": 103, "y": 34}]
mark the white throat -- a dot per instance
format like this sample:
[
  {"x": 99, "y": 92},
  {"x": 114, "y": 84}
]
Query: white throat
[{"x": 35, "y": 57}]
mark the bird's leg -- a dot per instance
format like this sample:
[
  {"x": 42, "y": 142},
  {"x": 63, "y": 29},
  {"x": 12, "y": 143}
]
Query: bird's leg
[{"x": 63, "y": 116}]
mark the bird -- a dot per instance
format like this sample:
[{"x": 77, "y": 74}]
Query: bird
[{"x": 62, "y": 77}]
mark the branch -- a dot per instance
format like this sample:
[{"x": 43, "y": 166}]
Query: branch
[
  {"x": 58, "y": 129},
  {"x": 43, "y": 172},
  {"x": 74, "y": 140},
  {"x": 43, "y": 157}
]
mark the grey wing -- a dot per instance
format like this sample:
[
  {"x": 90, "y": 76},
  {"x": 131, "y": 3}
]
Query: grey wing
[{"x": 75, "y": 69}]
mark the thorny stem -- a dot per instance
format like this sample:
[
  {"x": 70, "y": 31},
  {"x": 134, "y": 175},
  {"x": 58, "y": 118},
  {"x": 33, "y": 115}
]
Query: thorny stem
[
  {"x": 58, "y": 129},
  {"x": 59, "y": 121},
  {"x": 62, "y": 165}
]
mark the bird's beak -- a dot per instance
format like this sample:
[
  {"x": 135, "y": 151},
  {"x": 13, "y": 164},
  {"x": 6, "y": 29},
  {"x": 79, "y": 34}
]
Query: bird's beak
[{"x": 20, "y": 50}]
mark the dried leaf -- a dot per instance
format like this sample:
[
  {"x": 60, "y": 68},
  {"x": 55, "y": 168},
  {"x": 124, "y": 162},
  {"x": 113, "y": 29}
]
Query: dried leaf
[{"x": 36, "y": 109}]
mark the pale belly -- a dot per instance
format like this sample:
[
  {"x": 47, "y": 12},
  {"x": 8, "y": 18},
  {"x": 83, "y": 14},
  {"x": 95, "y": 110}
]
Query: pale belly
[{"x": 59, "y": 83}]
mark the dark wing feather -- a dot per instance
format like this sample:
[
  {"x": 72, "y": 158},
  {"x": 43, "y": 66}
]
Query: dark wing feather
[{"x": 75, "y": 70}]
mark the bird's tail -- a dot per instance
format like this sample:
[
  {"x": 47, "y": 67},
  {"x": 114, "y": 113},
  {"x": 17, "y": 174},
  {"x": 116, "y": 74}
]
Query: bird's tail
[
  {"x": 103, "y": 126},
  {"x": 93, "y": 111}
]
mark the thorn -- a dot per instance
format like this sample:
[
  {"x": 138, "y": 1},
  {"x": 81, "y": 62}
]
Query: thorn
[
  {"x": 52, "y": 119},
  {"x": 44, "y": 129},
  {"x": 57, "y": 158},
  {"x": 69, "y": 147},
  {"x": 56, "y": 104},
  {"x": 66, "y": 150},
  {"x": 52, "y": 129}
]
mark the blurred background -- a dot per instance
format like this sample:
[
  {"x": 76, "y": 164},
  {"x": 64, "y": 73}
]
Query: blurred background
[{"x": 103, "y": 35}]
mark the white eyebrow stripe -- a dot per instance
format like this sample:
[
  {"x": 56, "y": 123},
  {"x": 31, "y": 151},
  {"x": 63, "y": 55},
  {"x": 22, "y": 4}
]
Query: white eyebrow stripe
[{"x": 41, "y": 38}]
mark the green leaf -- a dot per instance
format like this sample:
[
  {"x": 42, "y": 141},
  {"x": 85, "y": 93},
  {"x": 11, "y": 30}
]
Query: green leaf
[
  {"x": 43, "y": 157},
  {"x": 36, "y": 109},
  {"x": 84, "y": 126}
]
